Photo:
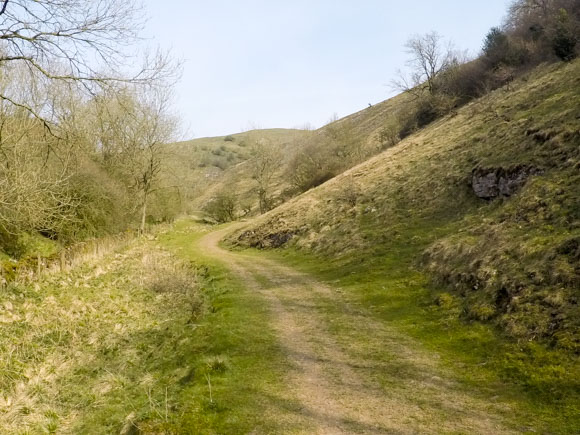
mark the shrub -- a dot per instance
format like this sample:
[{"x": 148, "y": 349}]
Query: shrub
[
  {"x": 495, "y": 45},
  {"x": 389, "y": 136},
  {"x": 222, "y": 207},
  {"x": 315, "y": 163},
  {"x": 11, "y": 244},
  {"x": 229, "y": 138},
  {"x": 564, "y": 41},
  {"x": 306, "y": 173},
  {"x": 434, "y": 107},
  {"x": 424, "y": 111},
  {"x": 407, "y": 125},
  {"x": 165, "y": 205},
  {"x": 101, "y": 205},
  {"x": 464, "y": 82},
  {"x": 219, "y": 162},
  {"x": 499, "y": 48},
  {"x": 164, "y": 273}
]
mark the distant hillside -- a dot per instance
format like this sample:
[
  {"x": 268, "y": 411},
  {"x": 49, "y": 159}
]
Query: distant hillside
[
  {"x": 486, "y": 201},
  {"x": 214, "y": 163}
]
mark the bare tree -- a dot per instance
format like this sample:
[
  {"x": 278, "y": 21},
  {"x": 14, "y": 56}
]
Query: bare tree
[
  {"x": 527, "y": 10},
  {"x": 133, "y": 130},
  {"x": 157, "y": 128},
  {"x": 313, "y": 162},
  {"x": 428, "y": 59},
  {"x": 34, "y": 191},
  {"x": 223, "y": 206},
  {"x": 345, "y": 144},
  {"x": 266, "y": 162},
  {"x": 83, "y": 42},
  {"x": 59, "y": 60}
]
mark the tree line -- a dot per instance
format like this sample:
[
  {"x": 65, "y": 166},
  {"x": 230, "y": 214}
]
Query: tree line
[
  {"x": 442, "y": 78},
  {"x": 84, "y": 120}
]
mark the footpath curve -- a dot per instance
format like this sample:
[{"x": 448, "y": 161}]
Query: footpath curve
[{"x": 336, "y": 377}]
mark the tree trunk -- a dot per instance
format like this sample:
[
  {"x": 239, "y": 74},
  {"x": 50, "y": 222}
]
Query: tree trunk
[
  {"x": 143, "y": 215},
  {"x": 263, "y": 200}
]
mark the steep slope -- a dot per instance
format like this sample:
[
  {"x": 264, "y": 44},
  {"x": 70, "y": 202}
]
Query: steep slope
[
  {"x": 514, "y": 259},
  {"x": 367, "y": 124}
]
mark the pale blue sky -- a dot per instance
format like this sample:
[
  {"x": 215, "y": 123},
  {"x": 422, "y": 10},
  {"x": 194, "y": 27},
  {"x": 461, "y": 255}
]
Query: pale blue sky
[{"x": 286, "y": 63}]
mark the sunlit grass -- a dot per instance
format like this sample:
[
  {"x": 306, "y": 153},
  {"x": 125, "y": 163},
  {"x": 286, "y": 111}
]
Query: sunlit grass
[{"x": 539, "y": 384}]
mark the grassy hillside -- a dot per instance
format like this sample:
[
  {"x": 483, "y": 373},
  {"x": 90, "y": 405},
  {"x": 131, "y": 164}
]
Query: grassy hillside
[
  {"x": 216, "y": 164},
  {"x": 223, "y": 152},
  {"x": 512, "y": 260},
  {"x": 370, "y": 122},
  {"x": 212, "y": 164}
]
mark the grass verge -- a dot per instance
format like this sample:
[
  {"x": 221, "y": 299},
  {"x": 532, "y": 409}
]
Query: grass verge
[
  {"x": 248, "y": 395},
  {"x": 540, "y": 385},
  {"x": 142, "y": 341}
]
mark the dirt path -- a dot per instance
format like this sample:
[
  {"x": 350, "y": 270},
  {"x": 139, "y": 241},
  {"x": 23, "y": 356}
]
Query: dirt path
[{"x": 343, "y": 386}]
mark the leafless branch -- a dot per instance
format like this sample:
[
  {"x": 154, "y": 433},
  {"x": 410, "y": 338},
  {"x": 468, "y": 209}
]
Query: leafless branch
[
  {"x": 89, "y": 43},
  {"x": 4, "y": 7},
  {"x": 427, "y": 60}
]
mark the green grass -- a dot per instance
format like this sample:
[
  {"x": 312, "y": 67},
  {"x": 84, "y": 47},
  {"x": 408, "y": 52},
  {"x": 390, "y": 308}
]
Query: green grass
[
  {"x": 235, "y": 330},
  {"x": 25, "y": 245},
  {"x": 96, "y": 350},
  {"x": 540, "y": 385},
  {"x": 93, "y": 349},
  {"x": 511, "y": 261},
  {"x": 100, "y": 350}
]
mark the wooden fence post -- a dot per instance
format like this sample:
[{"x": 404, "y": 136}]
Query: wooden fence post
[{"x": 38, "y": 266}]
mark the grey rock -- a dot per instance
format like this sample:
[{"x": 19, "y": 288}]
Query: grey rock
[{"x": 490, "y": 183}]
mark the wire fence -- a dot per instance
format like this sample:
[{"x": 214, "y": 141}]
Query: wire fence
[{"x": 33, "y": 269}]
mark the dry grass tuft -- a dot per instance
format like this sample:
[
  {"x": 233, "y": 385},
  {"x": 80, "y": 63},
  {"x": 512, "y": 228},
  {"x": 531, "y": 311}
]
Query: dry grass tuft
[
  {"x": 74, "y": 345},
  {"x": 164, "y": 273}
]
